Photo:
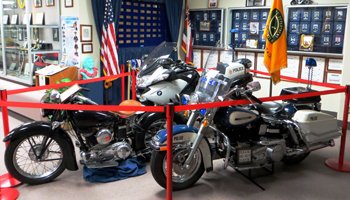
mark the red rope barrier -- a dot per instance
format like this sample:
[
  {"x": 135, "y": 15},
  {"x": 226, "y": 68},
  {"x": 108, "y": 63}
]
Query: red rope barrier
[{"x": 60, "y": 85}]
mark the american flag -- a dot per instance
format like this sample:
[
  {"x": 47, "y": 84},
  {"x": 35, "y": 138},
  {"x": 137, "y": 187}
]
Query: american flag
[
  {"x": 187, "y": 40},
  {"x": 109, "y": 54}
]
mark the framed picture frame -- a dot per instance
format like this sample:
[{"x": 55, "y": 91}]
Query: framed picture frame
[
  {"x": 306, "y": 42},
  {"x": 38, "y": 3},
  {"x": 55, "y": 34},
  {"x": 50, "y": 3},
  {"x": 5, "y": 19},
  {"x": 204, "y": 26},
  {"x": 68, "y": 3},
  {"x": 20, "y": 34},
  {"x": 85, "y": 33},
  {"x": 255, "y": 3},
  {"x": 87, "y": 48},
  {"x": 14, "y": 19},
  {"x": 212, "y": 3}
]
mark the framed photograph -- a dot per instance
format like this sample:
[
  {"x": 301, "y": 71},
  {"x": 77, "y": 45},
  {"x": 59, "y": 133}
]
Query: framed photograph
[
  {"x": 86, "y": 33},
  {"x": 38, "y": 3},
  {"x": 212, "y": 3},
  {"x": 251, "y": 43},
  {"x": 306, "y": 42},
  {"x": 55, "y": 34},
  {"x": 20, "y": 34},
  {"x": 50, "y": 3},
  {"x": 253, "y": 3},
  {"x": 68, "y": 3},
  {"x": 87, "y": 48},
  {"x": 204, "y": 26},
  {"x": 254, "y": 28},
  {"x": 14, "y": 33},
  {"x": 39, "y": 19},
  {"x": 14, "y": 19},
  {"x": 36, "y": 33},
  {"x": 5, "y": 19}
]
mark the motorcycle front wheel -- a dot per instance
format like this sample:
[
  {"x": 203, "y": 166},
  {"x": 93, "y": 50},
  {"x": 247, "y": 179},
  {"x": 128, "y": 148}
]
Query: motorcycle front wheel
[
  {"x": 35, "y": 158},
  {"x": 183, "y": 177}
]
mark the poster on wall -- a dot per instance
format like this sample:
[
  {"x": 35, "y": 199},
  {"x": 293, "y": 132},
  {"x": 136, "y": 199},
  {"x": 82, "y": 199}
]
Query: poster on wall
[
  {"x": 293, "y": 67},
  {"x": 210, "y": 58},
  {"x": 197, "y": 59},
  {"x": 70, "y": 41}
]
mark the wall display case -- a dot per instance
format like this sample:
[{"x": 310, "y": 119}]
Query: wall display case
[
  {"x": 325, "y": 23},
  {"x": 25, "y": 46},
  {"x": 207, "y": 26},
  {"x": 250, "y": 24}
]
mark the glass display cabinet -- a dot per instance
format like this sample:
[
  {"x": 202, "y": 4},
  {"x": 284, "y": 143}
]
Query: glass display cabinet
[{"x": 30, "y": 38}]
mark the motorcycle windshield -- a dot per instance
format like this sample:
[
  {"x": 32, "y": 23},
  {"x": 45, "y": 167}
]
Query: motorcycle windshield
[
  {"x": 209, "y": 87},
  {"x": 150, "y": 64}
]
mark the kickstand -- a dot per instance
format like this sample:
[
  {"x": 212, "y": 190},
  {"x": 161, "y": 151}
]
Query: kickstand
[{"x": 251, "y": 178}]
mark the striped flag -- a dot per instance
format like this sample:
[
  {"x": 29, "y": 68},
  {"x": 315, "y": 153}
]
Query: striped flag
[
  {"x": 109, "y": 54},
  {"x": 187, "y": 40}
]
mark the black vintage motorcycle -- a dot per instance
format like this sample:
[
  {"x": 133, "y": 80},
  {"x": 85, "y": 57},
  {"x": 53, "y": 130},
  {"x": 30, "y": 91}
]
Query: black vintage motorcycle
[
  {"x": 245, "y": 137},
  {"x": 40, "y": 151}
]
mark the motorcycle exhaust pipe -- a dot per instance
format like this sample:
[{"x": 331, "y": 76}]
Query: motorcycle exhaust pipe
[{"x": 312, "y": 148}]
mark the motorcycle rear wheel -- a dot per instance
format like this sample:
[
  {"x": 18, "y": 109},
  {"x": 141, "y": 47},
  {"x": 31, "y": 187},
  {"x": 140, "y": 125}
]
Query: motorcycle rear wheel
[
  {"x": 182, "y": 177},
  {"x": 24, "y": 162}
]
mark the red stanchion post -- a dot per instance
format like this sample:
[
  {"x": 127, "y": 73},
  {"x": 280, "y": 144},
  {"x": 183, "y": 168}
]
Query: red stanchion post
[
  {"x": 123, "y": 83},
  {"x": 133, "y": 74},
  {"x": 6, "y": 180},
  {"x": 8, "y": 194},
  {"x": 339, "y": 164},
  {"x": 169, "y": 154}
]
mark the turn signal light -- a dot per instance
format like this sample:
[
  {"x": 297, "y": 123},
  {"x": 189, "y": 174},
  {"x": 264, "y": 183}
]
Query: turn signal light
[{"x": 205, "y": 123}]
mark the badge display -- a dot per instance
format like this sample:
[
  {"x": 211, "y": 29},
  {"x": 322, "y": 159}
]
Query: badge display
[
  {"x": 236, "y": 25},
  {"x": 339, "y": 14},
  {"x": 255, "y": 15},
  {"x": 245, "y": 15},
  {"x": 293, "y": 39},
  {"x": 294, "y": 15},
  {"x": 328, "y": 14},
  {"x": 326, "y": 40},
  {"x": 294, "y": 27},
  {"x": 213, "y": 16},
  {"x": 338, "y": 40},
  {"x": 305, "y": 27},
  {"x": 243, "y": 37},
  {"x": 315, "y": 28},
  {"x": 244, "y": 26},
  {"x": 327, "y": 27},
  {"x": 264, "y": 15},
  {"x": 306, "y": 16},
  {"x": 339, "y": 27},
  {"x": 317, "y": 15},
  {"x": 254, "y": 28}
]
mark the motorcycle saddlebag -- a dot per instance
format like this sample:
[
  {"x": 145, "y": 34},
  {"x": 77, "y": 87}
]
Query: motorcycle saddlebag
[{"x": 316, "y": 126}]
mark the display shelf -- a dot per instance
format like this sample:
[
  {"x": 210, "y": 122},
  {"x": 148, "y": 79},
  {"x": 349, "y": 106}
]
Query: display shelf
[
  {"x": 207, "y": 26},
  {"x": 19, "y": 59},
  {"x": 44, "y": 26}
]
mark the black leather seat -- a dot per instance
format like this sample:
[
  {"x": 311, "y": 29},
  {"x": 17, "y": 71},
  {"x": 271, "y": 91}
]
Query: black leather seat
[{"x": 269, "y": 108}]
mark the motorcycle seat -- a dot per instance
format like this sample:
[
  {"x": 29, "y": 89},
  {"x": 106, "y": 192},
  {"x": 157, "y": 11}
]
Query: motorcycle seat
[{"x": 270, "y": 108}]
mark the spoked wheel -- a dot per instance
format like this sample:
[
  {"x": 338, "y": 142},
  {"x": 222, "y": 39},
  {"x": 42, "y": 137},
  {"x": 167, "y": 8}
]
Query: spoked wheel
[
  {"x": 35, "y": 158},
  {"x": 183, "y": 176}
]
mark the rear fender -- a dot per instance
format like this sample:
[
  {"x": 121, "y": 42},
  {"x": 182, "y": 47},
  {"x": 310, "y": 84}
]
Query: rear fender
[
  {"x": 183, "y": 134},
  {"x": 40, "y": 126}
]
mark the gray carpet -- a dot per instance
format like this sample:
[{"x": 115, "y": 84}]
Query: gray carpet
[{"x": 309, "y": 180}]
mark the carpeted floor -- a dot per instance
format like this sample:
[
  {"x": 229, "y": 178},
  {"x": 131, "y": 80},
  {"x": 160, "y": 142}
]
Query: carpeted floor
[{"x": 309, "y": 180}]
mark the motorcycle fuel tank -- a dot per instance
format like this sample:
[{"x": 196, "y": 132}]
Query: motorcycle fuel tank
[
  {"x": 88, "y": 119},
  {"x": 230, "y": 117}
]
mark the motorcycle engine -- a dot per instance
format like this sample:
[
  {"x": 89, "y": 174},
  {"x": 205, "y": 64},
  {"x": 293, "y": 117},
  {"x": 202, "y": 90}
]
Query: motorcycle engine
[
  {"x": 261, "y": 153},
  {"x": 104, "y": 136}
]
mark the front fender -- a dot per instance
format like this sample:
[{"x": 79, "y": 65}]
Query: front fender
[
  {"x": 40, "y": 126},
  {"x": 184, "y": 134}
]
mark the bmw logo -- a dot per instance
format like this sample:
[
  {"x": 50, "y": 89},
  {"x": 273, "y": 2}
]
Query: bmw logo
[{"x": 159, "y": 93}]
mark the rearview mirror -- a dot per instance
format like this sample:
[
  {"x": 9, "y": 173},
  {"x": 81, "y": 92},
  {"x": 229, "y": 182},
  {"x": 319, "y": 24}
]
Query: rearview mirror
[{"x": 254, "y": 86}]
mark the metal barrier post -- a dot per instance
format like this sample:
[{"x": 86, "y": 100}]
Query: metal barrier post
[
  {"x": 133, "y": 74},
  {"x": 339, "y": 164},
  {"x": 6, "y": 180},
  {"x": 169, "y": 109},
  {"x": 123, "y": 82}
]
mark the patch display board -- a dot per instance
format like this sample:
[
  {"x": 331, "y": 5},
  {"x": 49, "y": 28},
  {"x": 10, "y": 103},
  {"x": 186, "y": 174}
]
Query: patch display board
[
  {"x": 325, "y": 22},
  {"x": 250, "y": 23},
  {"x": 142, "y": 24},
  {"x": 207, "y": 26}
]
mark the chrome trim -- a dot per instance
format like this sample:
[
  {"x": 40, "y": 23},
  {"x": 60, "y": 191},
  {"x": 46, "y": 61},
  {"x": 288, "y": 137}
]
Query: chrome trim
[{"x": 227, "y": 144}]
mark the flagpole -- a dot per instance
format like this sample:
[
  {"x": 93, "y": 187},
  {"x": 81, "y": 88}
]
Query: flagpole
[{"x": 270, "y": 92}]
